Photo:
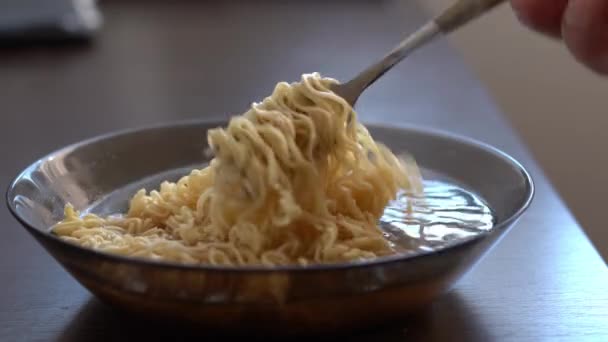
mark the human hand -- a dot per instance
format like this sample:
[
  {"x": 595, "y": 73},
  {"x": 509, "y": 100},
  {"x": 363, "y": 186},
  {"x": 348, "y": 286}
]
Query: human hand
[{"x": 582, "y": 24}]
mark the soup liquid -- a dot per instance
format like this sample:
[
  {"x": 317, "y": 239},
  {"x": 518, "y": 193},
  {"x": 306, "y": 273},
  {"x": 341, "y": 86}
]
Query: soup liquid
[{"x": 445, "y": 215}]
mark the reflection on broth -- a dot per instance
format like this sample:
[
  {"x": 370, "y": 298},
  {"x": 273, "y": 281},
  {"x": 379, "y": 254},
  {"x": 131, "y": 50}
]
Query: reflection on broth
[{"x": 444, "y": 215}]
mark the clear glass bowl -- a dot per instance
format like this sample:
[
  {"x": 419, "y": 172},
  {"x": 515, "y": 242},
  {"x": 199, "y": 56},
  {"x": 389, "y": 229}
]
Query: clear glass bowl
[{"x": 101, "y": 173}]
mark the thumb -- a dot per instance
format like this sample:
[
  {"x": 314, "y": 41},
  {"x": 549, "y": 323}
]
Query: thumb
[
  {"x": 541, "y": 15},
  {"x": 585, "y": 31}
]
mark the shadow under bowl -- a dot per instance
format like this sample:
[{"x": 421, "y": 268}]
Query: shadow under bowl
[{"x": 100, "y": 175}]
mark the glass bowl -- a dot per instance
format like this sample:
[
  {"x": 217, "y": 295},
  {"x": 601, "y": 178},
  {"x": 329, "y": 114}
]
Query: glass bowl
[{"x": 100, "y": 174}]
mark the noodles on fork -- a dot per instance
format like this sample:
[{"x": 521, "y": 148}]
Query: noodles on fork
[{"x": 295, "y": 180}]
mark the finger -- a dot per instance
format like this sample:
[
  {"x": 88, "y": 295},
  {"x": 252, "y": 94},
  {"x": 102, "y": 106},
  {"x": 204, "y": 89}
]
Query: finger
[
  {"x": 585, "y": 31},
  {"x": 541, "y": 15}
]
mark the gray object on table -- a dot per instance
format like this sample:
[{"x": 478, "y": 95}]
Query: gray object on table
[
  {"x": 158, "y": 61},
  {"x": 25, "y": 20}
]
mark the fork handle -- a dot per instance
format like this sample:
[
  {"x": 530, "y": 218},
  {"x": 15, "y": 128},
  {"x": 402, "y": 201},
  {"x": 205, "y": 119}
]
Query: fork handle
[{"x": 462, "y": 12}]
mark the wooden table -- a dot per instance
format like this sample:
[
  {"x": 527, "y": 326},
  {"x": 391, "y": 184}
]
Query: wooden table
[{"x": 159, "y": 61}]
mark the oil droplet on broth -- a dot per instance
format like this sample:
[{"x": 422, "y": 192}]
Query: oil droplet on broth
[{"x": 442, "y": 216}]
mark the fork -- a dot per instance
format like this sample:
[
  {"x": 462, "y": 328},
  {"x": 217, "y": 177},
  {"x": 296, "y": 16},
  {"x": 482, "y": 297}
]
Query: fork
[{"x": 452, "y": 18}]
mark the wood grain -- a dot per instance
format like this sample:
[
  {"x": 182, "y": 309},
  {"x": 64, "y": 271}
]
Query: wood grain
[{"x": 159, "y": 61}]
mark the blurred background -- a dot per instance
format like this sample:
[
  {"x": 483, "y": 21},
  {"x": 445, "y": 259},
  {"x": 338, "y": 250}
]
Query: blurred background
[{"x": 558, "y": 107}]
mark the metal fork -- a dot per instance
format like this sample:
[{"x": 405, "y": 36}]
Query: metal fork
[{"x": 457, "y": 15}]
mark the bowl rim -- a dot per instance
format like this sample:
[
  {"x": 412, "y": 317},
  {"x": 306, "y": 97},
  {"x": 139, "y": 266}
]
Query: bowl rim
[{"x": 40, "y": 233}]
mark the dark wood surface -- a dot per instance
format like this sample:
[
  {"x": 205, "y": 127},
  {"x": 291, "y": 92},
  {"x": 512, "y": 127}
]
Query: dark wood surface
[{"x": 158, "y": 61}]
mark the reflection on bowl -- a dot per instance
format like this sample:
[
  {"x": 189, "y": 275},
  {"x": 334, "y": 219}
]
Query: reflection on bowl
[{"x": 100, "y": 174}]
